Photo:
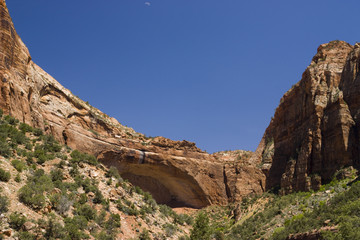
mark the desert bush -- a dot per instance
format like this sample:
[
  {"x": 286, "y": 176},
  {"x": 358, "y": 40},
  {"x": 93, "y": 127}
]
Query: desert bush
[
  {"x": 87, "y": 185},
  {"x": 17, "y": 178},
  {"x": 18, "y": 137},
  {"x": 18, "y": 165},
  {"x": 112, "y": 224},
  {"x": 77, "y": 156},
  {"x": 53, "y": 229},
  {"x": 5, "y": 149},
  {"x": 138, "y": 190},
  {"x": 113, "y": 172},
  {"x": 166, "y": 210},
  {"x": 87, "y": 211},
  {"x": 182, "y": 219},
  {"x": 170, "y": 229},
  {"x": 131, "y": 210},
  {"x": 16, "y": 220},
  {"x": 144, "y": 235},
  {"x": 50, "y": 144},
  {"x": 80, "y": 221},
  {"x": 32, "y": 194},
  {"x": 99, "y": 198},
  {"x": 56, "y": 175},
  {"x": 38, "y": 132},
  {"x": 201, "y": 229},
  {"x": 27, "y": 236},
  {"x": 25, "y": 128},
  {"x": 4, "y": 175},
  {"x": 4, "y": 204},
  {"x": 103, "y": 235},
  {"x": 11, "y": 120}
]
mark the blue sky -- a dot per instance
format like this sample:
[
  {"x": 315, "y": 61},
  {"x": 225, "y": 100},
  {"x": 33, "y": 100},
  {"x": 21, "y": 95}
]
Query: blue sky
[{"x": 211, "y": 72}]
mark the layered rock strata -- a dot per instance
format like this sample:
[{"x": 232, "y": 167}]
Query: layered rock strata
[
  {"x": 176, "y": 173},
  {"x": 314, "y": 131}
]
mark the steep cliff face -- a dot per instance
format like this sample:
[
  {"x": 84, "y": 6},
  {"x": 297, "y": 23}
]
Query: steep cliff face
[
  {"x": 314, "y": 129},
  {"x": 176, "y": 173}
]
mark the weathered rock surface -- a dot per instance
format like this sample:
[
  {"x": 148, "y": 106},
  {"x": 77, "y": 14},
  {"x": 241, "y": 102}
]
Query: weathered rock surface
[
  {"x": 242, "y": 175},
  {"x": 314, "y": 131},
  {"x": 175, "y": 172}
]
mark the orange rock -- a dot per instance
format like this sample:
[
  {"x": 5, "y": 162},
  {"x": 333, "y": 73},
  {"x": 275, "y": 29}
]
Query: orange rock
[
  {"x": 314, "y": 131},
  {"x": 175, "y": 172}
]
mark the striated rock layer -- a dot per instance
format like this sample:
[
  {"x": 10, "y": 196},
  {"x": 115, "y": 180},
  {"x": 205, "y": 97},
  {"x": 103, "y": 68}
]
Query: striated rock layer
[
  {"x": 176, "y": 173},
  {"x": 315, "y": 129}
]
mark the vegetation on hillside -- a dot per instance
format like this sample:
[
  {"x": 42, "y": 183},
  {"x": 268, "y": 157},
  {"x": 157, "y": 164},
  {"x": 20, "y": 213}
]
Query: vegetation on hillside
[
  {"x": 333, "y": 212},
  {"x": 61, "y": 193},
  {"x": 49, "y": 191}
]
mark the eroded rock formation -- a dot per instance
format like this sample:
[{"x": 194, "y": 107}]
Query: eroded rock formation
[
  {"x": 175, "y": 172},
  {"x": 314, "y": 131}
]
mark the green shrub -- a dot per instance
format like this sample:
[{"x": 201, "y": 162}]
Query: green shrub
[
  {"x": 16, "y": 220},
  {"x": 29, "y": 146},
  {"x": 29, "y": 158},
  {"x": 50, "y": 144},
  {"x": 18, "y": 165},
  {"x": 32, "y": 197},
  {"x": 104, "y": 235},
  {"x": 83, "y": 198},
  {"x": 166, "y": 210},
  {"x": 112, "y": 224},
  {"x": 182, "y": 219},
  {"x": 74, "y": 170},
  {"x": 132, "y": 211},
  {"x": 77, "y": 156},
  {"x": 170, "y": 229},
  {"x": 53, "y": 229},
  {"x": 61, "y": 164},
  {"x": 5, "y": 149},
  {"x": 56, "y": 175},
  {"x": 38, "y": 132},
  {"x": 144, "y": 235},
  {"x": 113, "y": 172},
  {"x": 11, "y": 120},
  {"x": 100, "y": 218},
  {"x": 18, "y": 137},
  {"x": 99, "y": 198},
  {"x": 201, "y": 228},
  {"x": 25, "y": 128},
  {"x": 27, "y": 236},
  {"x": 4, "y": 175},
  {"x": 87, "y": 211},
  {"x": 87, "y": 185},
  {"x": 4, "y": 204},
  {"x": 80, "y": 221},
  {"x": 138, "y": 190},
  {"x": 17, "y": 178},
  {"x": 32, "y": 194}
]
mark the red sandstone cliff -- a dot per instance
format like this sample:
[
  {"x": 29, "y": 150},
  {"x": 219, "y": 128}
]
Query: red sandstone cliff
[
  {"x": 314, "y": 131},
  {"x": 176, "y": 173}
]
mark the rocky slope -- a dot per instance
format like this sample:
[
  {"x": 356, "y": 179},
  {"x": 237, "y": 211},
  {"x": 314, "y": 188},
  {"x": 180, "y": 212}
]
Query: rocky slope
[
  {"x": 49, "y": 191},
  {"x": 176, "y": 173},
  {"x": 314, "y": 131}
]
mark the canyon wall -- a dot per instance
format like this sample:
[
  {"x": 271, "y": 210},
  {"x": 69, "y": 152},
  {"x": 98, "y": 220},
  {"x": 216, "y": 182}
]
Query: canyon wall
[
  {"x": 314, "y": 131},
  {"x": 177, "y": 173}
]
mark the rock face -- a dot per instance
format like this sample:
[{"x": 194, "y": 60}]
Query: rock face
[
  {"x": 314, "y": 131},
  {"x": 176, "y": 173}
]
